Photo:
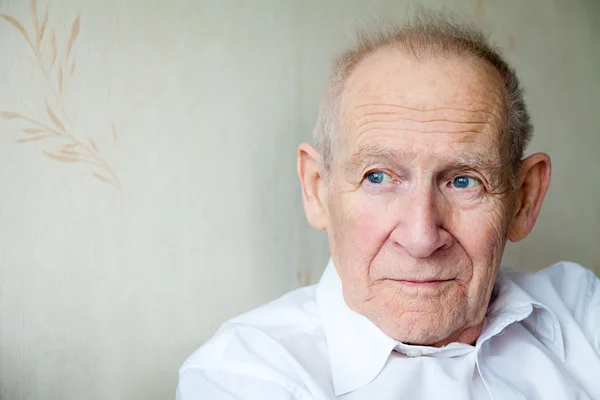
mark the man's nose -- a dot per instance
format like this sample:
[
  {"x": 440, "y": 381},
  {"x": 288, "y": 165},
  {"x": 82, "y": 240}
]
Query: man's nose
[{"x": 420, "y": 230}]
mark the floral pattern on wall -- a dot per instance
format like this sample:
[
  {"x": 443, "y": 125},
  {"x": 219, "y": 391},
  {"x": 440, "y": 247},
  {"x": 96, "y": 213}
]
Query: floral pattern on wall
[
  {"x": 55, "y": 127},
  {"x": 304, "y": 278}
]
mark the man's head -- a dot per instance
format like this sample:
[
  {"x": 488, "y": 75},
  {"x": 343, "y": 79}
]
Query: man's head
[{"x": 418, "y": 178}]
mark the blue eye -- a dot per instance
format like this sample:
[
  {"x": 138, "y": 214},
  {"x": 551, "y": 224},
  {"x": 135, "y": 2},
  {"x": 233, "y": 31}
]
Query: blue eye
[
  {"x": 378, "y": 177},
  {"x": 465, "y": 182}
]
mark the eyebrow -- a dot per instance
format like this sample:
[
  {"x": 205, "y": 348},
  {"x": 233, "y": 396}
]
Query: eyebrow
[{"x": 369, "y": 153}]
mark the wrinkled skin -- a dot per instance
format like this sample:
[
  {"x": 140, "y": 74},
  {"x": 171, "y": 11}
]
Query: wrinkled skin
[{"x": 417, "y": 205}]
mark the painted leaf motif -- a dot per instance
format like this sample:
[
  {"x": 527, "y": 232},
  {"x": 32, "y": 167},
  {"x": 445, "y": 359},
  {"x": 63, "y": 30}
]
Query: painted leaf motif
[
  {"x": 60, "y": 158},
  {"x": 52, "y": 49},
  {"x": 32, "y": 139},
  {"x": 60, "y": 79},
  {"x": 33, "y": 131},
  {"x": 74, "y": 34},
  {"x": 34, "y": 16},
  {"x": 42, "y": 30},
  {"x": 9, "y": 115},
  {"x": 68, "y": 152},
  {"x": 93, "y": 144},
  {"x": 101, "y": 178},
  {"x": 54, "y": 118},
  {"x": 45, "y": 49},
  {"x": 114, "y": 131},
  {"x": 16, "y": 24}
]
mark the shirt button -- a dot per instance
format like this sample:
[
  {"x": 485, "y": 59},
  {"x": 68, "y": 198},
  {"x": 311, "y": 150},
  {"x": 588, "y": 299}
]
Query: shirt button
[{"x": 413, "y": 353}]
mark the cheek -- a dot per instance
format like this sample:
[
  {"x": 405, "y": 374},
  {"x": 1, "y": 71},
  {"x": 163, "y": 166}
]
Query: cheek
[
  {"x": 365, "y": 227},
  {"x": 481, "y": 233},
  {"x": 361, "y": 227},
  {"x": 481, "y": 230}
]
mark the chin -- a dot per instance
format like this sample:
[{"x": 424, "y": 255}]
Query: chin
[
  {"x": 421, "y": 335},
  {"x": 418, "y": 329}
]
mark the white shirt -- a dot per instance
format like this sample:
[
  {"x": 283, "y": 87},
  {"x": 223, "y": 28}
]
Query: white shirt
[{"x": 541, "y": 340}]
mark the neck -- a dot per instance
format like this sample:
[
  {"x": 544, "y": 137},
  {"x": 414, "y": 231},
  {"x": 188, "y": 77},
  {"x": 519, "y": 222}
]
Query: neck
[{"x": 467, "y": 336}]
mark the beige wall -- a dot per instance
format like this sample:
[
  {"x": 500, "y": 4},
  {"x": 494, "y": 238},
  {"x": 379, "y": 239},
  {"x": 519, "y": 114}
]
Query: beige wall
[{"x": 194, "y": 110}]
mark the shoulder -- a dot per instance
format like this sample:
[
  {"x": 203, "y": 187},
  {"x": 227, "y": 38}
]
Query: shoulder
[
  {"x": 261, "y": 345},
  {"x": 294, "y": 311},
  {"x": 569, "y": 277},
  {"x": 571, "y": 282},
  {"x": 271, "y": 325},
  {"x": 566, "y": 287}
]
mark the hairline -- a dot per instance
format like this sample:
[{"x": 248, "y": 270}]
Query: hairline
[{"x": 473, "y": 45}]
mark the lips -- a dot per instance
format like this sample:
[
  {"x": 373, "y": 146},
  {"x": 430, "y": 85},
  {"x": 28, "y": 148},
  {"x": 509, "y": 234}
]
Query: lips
[
  {"x": 419, "y": 281},
  {"x": 424, "y": 283}
]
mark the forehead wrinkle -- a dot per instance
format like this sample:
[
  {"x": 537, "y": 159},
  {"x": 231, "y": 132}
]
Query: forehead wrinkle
[
  {"x": 483, "y": 99},
  {"x": 370, "y": 152},
  {"x": 385, "y": 125},
  {"x": 370, "y": 116},
  {"x": 425, "y": 108},
  {"x": 382, "y": 113},
  {"x": 362, "y": 122}
]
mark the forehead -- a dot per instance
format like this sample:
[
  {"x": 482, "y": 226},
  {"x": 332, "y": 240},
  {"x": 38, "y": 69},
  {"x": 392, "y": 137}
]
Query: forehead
[{"x": 447, "y": 98}]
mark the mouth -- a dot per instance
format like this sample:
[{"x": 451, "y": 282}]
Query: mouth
[{"x": 426, "y": 283}]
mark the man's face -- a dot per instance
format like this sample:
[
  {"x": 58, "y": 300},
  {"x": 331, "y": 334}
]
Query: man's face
[{"x": 416, "y": 221}]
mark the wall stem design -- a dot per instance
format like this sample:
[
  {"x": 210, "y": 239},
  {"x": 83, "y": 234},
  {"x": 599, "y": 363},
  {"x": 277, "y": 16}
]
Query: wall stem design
[{"x": 57, "y": 73}]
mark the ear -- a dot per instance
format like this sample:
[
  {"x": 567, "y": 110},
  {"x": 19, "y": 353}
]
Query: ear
[
  {"x": 313, "y": 185},
  {"x": 534, "y": 179}
]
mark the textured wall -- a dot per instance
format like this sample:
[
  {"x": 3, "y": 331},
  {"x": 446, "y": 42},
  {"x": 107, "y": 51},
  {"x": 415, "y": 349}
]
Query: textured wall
[{"x": 147, "y": 170}]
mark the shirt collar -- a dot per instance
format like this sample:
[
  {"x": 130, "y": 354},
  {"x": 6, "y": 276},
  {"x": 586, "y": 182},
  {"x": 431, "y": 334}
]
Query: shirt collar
[
  {"x": 358, "y": 349},
  {"x": 511, "y": 303}
]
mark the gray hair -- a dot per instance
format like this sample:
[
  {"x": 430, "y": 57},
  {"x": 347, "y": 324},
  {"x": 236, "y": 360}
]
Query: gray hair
[{"x": 438, "y": 35}]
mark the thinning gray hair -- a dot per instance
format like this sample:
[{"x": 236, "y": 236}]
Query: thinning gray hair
[{"x": 435, "y": 34}]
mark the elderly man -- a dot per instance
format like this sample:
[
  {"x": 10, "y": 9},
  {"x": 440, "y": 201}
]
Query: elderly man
[{"x": 419, "y": 179}]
